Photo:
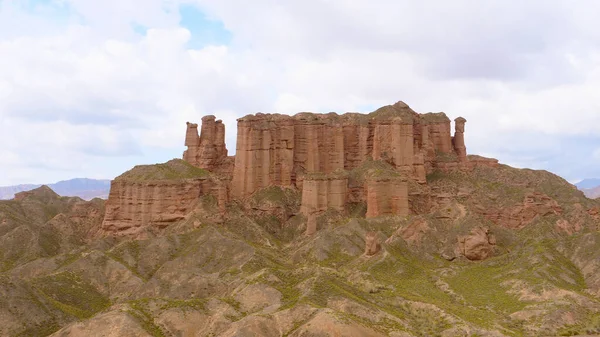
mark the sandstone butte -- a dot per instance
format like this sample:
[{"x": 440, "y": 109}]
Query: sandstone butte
[{"x": 311, "y": 153}]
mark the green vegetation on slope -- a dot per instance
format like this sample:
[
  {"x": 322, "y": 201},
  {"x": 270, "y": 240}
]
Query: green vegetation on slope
[
  {"x": 69, "y": 293},
  {"x": 172, "y": 170}
]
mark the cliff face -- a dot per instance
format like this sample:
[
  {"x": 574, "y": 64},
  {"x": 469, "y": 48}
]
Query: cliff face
[
  {"x": 322, "y": 193},
  {"x": 311, "y": 153},
  {"x": 276, "y": 149},
  {"x": 302, "y": 152},
  {"x": 153, "y": 197},
  {"x": 135, "y": 204},
  {"x": 264, "y": 155},
  {"x": 386, "y": 196}
]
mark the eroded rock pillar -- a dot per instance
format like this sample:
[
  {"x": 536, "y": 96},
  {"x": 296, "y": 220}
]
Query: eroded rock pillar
[
  {"x": 208, "y": 149},
  {"x": 311, "y": 225},
  {"x": 372, "y": 244},
  {"x": 192, "y": 141},
  {"x": 459, "y": 139}
]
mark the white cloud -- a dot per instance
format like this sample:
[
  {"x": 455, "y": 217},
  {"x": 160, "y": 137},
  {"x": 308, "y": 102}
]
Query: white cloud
[{"x": 79, "y": 85}]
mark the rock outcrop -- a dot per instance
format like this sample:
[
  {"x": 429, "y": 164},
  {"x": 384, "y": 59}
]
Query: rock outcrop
[
  {"x": 534, "y": 205},
  {"x": 323, "y": 192},
  {"x": 458, "y": 141},
  {"x": 311, "y": 224},
  {"x": 372, "y": 244},
  {"x": 307, "y": 152},
  {"x": 132, "y": 205},
  {"x": 153, "y": 197},
  {"x": 386, "y": 196},
  {"x": 478, "y": 245},
  {"x": 207, "y": 150},
  {"x": 275, "y": 149}
]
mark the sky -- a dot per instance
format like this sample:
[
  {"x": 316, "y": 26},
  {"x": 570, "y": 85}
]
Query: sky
[{"x": 92, "y": 88}]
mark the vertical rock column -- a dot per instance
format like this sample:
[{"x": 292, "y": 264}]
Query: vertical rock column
[
  {"x": 322, "y": 193},
  {"x": 403, "y": 140},
  {"x": 252, "y": 160},
  {"x": 372, "y": 244},
  {"x": 208, "y": 149},
  {"x": 311, "y": 225},
  {"x": 192, "y": 141},
  {"x": 356, "y": 145},
  {"x": 282, "y": 152},
  {"x": 319, "y": 146},
  {"x": 459, "y": 139},
  {"x": 386, "y": 196},
  {"x": 441, "y": 138},
  {"x": 393, "y": 142},
  {"x": 212, "y": 143},
  {"x": 264, "y": 155},
  {"x": 427, "y": 148}
]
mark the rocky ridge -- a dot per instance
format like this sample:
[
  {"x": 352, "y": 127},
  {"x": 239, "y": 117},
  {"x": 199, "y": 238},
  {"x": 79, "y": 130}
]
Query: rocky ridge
[{"x": 313, "y": 153}]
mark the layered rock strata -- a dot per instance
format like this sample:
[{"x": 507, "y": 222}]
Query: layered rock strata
[
  {"x": 386, "y": 196},
  {"x": 518, "y": 216},
  {"x": 275, "y": 149},
  {"x": 132, "y": 205},
  {"x": 322, "y": 192},
  {"x": 155, "y": 196}
]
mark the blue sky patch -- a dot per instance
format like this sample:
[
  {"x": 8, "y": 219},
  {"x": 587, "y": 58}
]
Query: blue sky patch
[
  {"x": 57, "y": 10},
  {"x": 205, "y": 30},
  {"x": 139, "y": 29}
]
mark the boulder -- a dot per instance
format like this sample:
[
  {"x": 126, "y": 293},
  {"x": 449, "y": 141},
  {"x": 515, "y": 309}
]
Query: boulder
[{"x": 478, "y": 245}]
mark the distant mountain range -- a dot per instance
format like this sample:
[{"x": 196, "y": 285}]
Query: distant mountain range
[
  {"x": 590, "y": 187},
  {"x": 84, "y": 188},
  {"x": 588, "y": 183}
]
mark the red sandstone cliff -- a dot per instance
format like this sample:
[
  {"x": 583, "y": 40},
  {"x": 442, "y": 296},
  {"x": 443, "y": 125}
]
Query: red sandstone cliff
[
  {"x": 320, "y": 193},
  {"x": 153, "y": 197},
  {"x": 386, "y": 196},
  {"x": 275, "y": 149},
  {"x": 309, "y": 152}
]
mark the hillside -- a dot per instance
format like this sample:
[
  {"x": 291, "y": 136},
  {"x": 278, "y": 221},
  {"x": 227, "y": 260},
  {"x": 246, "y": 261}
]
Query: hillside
[{"x": 246, "y": 277}]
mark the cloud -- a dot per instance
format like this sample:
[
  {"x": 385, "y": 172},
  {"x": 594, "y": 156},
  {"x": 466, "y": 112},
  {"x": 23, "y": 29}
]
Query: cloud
[{"x": 91, "y": 88}]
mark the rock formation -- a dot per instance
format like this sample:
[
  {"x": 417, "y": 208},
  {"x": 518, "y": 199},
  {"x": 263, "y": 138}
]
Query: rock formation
[
  {"x": 322, "y": 192},
  {"x": 478, "y": 245},
  {"x": 458, "y": 141},
  {"x": 206, "y": 151},
  {"x": 311, "y": 225},
  {"x": 518, "y": 216},
  {"x": 386, "y": 196},
  {"x": 139, "y": 201},
  {"x": 307, "y": 152},
  {"x": 132, "y": 205},
  {"x": 275, "y": 149},
  {"x": 372, "y": 244}
]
